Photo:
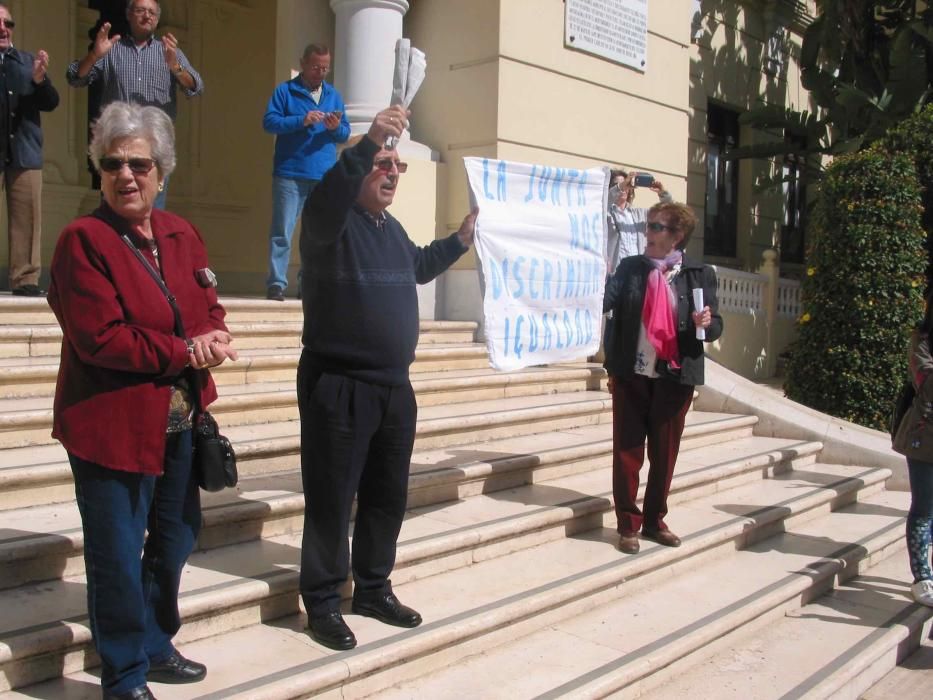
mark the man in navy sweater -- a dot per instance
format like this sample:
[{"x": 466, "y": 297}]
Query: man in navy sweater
[
  {"x": 357, "y": 406},
  {"x": 306, "y": 116}
]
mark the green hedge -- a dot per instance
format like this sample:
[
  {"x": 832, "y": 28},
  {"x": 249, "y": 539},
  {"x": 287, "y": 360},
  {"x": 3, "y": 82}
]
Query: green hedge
[
  {"x": 863, "y": 292},
  {"x": 914, "y": 138}
]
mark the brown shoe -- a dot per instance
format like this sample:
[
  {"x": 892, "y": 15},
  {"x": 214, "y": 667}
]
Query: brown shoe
[
  {"x": 628, "y": 543},
  {"x": 665, "y": 537}
]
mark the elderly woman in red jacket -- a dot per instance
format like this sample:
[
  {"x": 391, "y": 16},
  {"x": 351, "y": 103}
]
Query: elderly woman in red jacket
[{"x": 127, "y": 388}]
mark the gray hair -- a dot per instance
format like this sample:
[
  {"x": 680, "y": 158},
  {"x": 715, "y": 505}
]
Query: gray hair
[
  {"x": 121, "y": 120},
  {"x": 131, "y": 3},
  {"x": 315, "y": 50}
]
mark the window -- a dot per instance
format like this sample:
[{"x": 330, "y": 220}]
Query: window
[
  {"x": 722, "y": 183},
  {"x": 795, "y": 200}
]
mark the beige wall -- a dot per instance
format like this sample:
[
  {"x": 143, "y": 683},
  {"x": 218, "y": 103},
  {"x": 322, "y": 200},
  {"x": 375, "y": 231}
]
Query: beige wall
[{"x": 728, "y": 67}]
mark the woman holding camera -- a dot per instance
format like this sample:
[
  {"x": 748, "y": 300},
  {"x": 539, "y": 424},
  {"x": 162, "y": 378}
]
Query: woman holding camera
[
  {"x": 627, "y": 222},
  {"x": 124, "y": 399},
  {"x": 654, "y": 361}
]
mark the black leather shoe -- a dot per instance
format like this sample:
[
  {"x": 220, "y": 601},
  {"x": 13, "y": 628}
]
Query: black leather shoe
[
  {"x": 28, "y": 290},
  {"x": 665, "y": 537},
  {"x": 386, "y": 608},
  {"x": 275, "y": 293},
  {"x": 140, "y": 693},
  {"x": 331, "y": 631},
  {"x": 176, "y": 669}
]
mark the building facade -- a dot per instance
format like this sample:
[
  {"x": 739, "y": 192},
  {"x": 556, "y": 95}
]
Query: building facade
[{"x": 503, "y": 81}]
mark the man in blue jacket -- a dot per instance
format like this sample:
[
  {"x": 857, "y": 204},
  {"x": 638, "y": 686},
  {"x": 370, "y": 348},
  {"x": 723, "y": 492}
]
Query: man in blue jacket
[
  {"x": 25, "y": 91},
  {"x": 306, "y": 116}
]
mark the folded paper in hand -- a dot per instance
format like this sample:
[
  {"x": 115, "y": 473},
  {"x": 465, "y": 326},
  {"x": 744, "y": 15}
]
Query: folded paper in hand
[{"x": 410, "y": 66}]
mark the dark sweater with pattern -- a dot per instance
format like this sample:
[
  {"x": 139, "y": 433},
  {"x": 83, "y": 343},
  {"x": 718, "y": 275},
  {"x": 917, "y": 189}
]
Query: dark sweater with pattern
[{"x": 358, "y": 281}]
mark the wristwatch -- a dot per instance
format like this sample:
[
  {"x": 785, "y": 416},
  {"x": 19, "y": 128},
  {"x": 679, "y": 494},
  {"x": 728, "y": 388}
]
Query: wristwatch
[
  {"x": 178, "y": 70},
  {"x": 190, "y": 345}
]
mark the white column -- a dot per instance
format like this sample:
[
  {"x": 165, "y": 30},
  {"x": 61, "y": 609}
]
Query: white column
[{"x": 364, "y": 56}]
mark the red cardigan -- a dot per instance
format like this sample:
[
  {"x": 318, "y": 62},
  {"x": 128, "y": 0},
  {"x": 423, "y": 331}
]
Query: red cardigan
[{"x": 119, "y": 353}]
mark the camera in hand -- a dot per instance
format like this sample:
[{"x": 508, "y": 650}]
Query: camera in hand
[{"x": 644, "y": 180}]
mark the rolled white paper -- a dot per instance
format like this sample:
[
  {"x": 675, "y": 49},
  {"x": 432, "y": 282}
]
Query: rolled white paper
[
  {"x": 410, "y": 67},
  {"x": 698, "y": 305}
]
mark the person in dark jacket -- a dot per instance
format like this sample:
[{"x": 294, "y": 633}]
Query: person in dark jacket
[
  {"x": 654, "y": 361},
  {"x": 126, "y": 393},
  {"x": 25, "y": 91},
  {"x": 356, "y": 403}
]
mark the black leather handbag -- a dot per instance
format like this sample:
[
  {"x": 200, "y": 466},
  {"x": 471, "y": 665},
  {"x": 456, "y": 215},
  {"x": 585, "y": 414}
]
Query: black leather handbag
[{"x": 214, "y": 460}]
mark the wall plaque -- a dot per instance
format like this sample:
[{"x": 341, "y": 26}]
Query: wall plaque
[{"x": 613, "y": 29}]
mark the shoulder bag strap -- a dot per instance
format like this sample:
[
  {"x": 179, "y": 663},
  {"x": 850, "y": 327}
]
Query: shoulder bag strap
[{"x": 157, "y": 278}]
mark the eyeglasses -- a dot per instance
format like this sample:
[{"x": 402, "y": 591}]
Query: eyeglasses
[
  {"x": 8, "y": 23},
  {"x": 656, "y": 227},
  {"x": 140, "y": 11},
  {"x": 138, "y": 166},
  {"x": 319, "y": 69},
  {"x": 386, "y": 164}
]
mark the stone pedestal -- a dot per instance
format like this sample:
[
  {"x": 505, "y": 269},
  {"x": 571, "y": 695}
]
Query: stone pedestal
[{"x": 364, "y": 56}]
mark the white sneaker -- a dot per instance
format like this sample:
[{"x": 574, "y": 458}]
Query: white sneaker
[{"x": 923, "y": 592}]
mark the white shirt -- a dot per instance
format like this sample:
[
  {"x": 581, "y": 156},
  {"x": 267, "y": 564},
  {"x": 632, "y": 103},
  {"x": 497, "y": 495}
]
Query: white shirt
[
  {"x": 627, "y": 231},
  {"x": 646, "y": 357}
]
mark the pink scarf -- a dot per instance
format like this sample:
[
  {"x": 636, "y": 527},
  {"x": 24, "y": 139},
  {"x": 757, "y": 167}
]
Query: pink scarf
[{"x": 657, "y": 313}]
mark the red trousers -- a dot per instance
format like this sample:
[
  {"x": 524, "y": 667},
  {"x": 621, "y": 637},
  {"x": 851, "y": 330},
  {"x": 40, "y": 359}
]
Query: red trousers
[{"x": 652, "y": 409}]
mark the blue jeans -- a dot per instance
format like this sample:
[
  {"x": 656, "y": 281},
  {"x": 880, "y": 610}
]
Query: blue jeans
[
  {"x": 133, "y": 604},
  {"x": 288, "y": 199},
  {"x": 159, "y": 202},
  {"x": 920, "y": 519}
]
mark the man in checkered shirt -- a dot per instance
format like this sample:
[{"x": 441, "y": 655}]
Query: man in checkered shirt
[{"x": 140, "y": 68}]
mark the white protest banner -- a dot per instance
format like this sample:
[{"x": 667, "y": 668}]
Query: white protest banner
[{"x": 541, "y": 241}]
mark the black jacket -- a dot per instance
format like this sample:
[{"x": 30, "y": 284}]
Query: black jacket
[
  {"x": 358, "y": 282},
  {"x": 625, "y": 297},
  {"x": 23, "y": 102}
]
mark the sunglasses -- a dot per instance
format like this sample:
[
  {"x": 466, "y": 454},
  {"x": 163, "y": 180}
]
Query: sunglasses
[
  {"x": 656, "y": 227},
  {"x": 8, "y": 23},
  {"x": 138, "y": 166},
  {"x": 385, "y": 165}
]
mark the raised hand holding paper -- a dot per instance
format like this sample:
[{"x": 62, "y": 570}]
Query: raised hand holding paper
[{"x": 410, "y": 67}]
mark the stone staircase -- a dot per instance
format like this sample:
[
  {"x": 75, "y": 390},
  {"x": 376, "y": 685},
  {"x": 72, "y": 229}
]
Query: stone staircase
[{"x": 785, "y": 585}]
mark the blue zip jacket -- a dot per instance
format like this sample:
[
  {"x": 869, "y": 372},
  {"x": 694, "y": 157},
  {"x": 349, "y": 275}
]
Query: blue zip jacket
[{"x": 303, "y": 152}]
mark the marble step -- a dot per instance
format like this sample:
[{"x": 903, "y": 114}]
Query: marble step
[
  {"x": 40, "y": 474},
  {"x": 41, "y": 337},
  {"x": 45, "y": 542},
  {"x": 647, "y": 642},
  {"x": 911, "y": 679},
  {"x": 25, "y": 377},
  {"x": 35, "y": 311},
  {"x": 575, "y": 582},
  {"x": 27, "y": 422},
  {"x": 835, "y": 647}
]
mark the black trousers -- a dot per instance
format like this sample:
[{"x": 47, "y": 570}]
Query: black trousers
[{"x": 356, "y": 438}]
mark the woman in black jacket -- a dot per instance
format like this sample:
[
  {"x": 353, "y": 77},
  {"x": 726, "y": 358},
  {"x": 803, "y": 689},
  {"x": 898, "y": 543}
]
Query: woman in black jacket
[{"x": 654, "y": 361}]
